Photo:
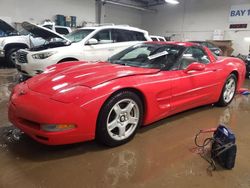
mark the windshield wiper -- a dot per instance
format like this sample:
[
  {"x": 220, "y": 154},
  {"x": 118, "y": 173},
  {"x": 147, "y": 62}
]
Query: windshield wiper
[{"x": 119, "y": 62}]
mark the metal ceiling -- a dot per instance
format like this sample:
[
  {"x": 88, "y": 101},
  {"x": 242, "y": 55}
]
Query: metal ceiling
[
  {"x": 138, "y": 3},
  {"x": 150, "y": 3}
]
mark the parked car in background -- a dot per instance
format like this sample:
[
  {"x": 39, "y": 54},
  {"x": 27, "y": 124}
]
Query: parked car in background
[
  {"x": 216, "y": 50},
  {"x": 248, "y": 66},
  {"x": 12, "y": 40},
  {"x": 157, "y": 38},
  {"x": 88, "y": 43},
  {"x": 246, "y": 59},
  {"x": 63, "y": 30},
  {"x": 79, "y": 101}
]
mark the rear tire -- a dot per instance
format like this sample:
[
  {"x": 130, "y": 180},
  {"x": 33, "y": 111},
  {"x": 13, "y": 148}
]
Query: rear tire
[
  {"x": 228, "y": 91},
  {"x": 119, "y": 119}
]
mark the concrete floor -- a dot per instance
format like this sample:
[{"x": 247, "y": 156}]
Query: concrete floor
[{"x": 161, "y": 155}]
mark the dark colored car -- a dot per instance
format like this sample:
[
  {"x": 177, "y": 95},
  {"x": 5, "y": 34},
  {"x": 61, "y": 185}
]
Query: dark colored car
[
  {"x": 246, "y": 59},
  {"x": 216, "y": 50}
]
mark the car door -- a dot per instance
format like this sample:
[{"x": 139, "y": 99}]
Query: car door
[
  {"x": 100, "y": 51},
  {"x": 194, "y": 88}
]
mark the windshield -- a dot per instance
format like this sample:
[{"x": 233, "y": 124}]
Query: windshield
[
  {"x": 210, "y": 45},
  {"x": 78, "y": 35},
  {"x": 157, "y": 56}
]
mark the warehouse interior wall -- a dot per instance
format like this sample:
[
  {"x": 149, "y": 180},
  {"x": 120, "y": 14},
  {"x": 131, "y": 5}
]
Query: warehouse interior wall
[
  {"x": 37, "y": 11},
  {"x": 197, "y": 20},
  {"x": 122, "y": 15},
  {"x": 190, "y": 20}
]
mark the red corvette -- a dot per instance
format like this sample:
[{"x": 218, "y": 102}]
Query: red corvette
[{"x": 79, "y": 101}]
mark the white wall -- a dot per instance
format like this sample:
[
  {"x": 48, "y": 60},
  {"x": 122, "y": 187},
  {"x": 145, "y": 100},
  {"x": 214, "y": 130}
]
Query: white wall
[
  {"x": 122, "y": 15},
  {"x": 38, "y": 10},
  {"x": 196, "y": 20}
]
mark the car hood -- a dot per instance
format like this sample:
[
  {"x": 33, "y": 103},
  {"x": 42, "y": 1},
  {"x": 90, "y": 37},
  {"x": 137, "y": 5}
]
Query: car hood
[
  {"x": 67, "y": 75},
  {"x": 6, "y": 27},
  {"x": 42, "y": 32}
]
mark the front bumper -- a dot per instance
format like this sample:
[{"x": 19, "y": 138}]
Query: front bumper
[
  {"x": 29, "y": 66},
  {"x": 28, "y": 111}
]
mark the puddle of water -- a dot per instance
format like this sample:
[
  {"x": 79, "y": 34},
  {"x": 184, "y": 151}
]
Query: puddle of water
[
  {"x": 9, "y": 135},
  {"x": 8, "y": 79}
]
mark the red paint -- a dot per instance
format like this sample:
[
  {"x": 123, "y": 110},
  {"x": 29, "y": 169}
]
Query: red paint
[{"x": 74, "y": 92}]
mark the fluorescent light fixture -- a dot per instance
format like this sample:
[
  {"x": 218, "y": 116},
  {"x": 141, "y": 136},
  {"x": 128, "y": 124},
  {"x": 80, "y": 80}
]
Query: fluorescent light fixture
[
  {"x": 247, "y": 39},
  {"x": 174, "y": 2}
]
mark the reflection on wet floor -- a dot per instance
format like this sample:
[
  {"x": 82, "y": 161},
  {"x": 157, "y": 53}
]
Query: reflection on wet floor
[{"x": 160, "y": 155}]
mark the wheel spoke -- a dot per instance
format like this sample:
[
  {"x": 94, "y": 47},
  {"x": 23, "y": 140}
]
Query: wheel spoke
[
  {"x": 117, "y": 109},
  {"x": 230, "y": 83},
  {"x": 133, "y": 120},
  {"x": 129, "y": 107},
  {"x": 122, "y": 131},
  {"x": 112, "y": 124}
]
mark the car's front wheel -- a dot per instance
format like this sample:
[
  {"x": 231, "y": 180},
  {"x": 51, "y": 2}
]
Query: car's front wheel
[
  {"x": 228, "y": 91},
  {"x": 119, "y": 119},
  {"x": 11, "y": 56}
]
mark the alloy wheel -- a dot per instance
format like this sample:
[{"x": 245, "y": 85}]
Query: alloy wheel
[{"x": 123, "y": 119}]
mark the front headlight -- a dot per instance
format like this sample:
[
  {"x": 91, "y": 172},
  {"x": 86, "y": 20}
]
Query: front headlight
[
  {"x": 57, "y": 127},
  {"x": 43, "y": 55}
]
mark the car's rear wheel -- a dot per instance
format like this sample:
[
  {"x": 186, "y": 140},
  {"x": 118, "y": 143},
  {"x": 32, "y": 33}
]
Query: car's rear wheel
[
  {"x": 119, "y": 119},
  {"x": 228, "y": 91}
]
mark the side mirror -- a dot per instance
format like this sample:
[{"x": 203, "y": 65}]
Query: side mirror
[
  {"x": 92, "y": 41},
  {"x": 195, "y": 67}
]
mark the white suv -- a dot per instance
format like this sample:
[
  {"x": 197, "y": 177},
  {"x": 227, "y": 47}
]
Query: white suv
[
  {"x": 88, "y": 43},
  {"x": 12, "y": 40},
  {"x": 157, "y": 38}
]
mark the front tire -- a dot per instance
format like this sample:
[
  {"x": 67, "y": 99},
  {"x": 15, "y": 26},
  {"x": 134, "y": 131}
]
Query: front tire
[
  {"x": 228, "y": 91},
  {"x": 119, "y": 119},
  {"x": 11, "y": 57}
]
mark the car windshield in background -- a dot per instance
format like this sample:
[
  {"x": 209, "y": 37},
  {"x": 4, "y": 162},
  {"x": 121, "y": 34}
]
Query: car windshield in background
[
  {"x": 210, "y": 45},
  {"x": 78, "y": 35},
  {"x": 154, "y": 56}
]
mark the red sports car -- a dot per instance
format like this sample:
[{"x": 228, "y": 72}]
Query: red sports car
[{"x": 79, "y": 101}]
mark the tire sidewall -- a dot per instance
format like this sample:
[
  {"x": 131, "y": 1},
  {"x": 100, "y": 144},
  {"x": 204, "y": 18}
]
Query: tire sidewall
[{"x": 102, "y": 134}]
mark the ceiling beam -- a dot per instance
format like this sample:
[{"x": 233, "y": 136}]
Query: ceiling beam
[{"x": 127, "y": 5}]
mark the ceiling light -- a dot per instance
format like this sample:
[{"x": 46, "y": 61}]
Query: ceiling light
[{"x": 174, "y": 2}]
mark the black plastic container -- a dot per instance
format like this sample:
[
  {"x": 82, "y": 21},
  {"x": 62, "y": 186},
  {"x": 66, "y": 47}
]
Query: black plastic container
[{"x": 224, "y": 148}]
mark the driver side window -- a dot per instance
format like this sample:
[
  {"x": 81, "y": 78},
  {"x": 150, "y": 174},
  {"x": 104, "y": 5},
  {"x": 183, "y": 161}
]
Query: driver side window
[{"x": 192, "y": 55}]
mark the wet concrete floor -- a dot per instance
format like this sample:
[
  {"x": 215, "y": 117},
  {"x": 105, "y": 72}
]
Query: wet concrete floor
[{"x": 161, "y": 155}]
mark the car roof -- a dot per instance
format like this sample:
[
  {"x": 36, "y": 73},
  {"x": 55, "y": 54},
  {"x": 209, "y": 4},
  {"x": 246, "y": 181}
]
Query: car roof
[
  {"x": 125, "y": 27},
  {"x": 186, "y": 44}
]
